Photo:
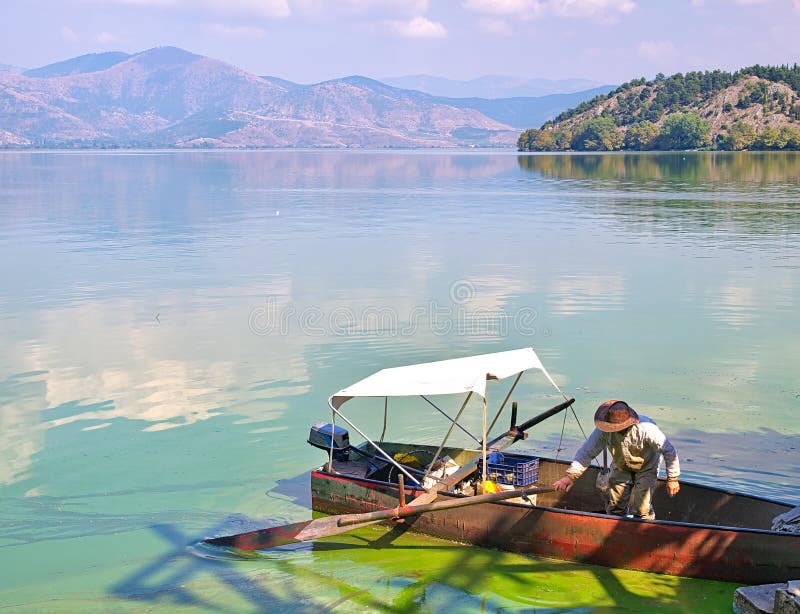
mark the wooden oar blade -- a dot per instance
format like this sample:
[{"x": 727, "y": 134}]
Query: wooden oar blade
[{"x": 262, "y": 539}]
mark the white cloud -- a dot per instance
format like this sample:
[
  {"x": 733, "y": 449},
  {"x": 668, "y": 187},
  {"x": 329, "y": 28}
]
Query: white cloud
[
  {"x": 68, "y": 34},
  {"x": 419, "y": 27},
  {"x": 263, "y": 8},
  {"x": 591, "y": 8},
  {"x": 362, "y": 8},
  {"x": 257, "y": 8},
  {"x": 606, "y": 10},
  {"x": 504, "y": 7},
  {"x": 415, "y": 7},
  {"x": 656, "y": 50},
  {"x": 105, "y": 38},
  {"x": 236, "y": 32}
]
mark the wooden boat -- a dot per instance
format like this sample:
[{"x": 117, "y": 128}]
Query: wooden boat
[{"x": 703, "y": 532}]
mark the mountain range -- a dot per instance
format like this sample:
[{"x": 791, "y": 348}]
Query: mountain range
[
  {"x": 169, "y": 97},
  {"x": 490, "y": 86}
]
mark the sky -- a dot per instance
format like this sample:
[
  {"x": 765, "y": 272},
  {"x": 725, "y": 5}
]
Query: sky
[{"x": 307, "y": 41}]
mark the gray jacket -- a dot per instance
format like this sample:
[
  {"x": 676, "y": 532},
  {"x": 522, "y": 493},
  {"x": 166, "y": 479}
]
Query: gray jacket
[{"x": 639, "y": 449}]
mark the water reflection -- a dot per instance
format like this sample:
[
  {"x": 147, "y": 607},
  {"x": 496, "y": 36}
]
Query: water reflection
[
  {"x": 140, "y": 371},
  {"x": 22, "y": 434},
  {"x": 737, "y": 170},
  {"x": 574, "y": 294},
  {"x": 97, "y": 362}
]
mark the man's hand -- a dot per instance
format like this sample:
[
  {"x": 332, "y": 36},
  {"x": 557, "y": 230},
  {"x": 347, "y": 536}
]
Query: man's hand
[
  {"x": 673, "y": 487},
  {"x": 564, "y": 483}
]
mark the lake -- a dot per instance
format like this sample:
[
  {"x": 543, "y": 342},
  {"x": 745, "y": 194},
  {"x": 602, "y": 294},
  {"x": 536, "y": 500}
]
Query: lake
[{"x": 172, "y": 323}]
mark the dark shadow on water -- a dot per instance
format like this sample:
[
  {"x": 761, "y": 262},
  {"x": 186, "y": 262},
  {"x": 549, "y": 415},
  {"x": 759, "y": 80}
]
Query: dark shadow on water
[
  {"x": 296, "y": 490},
  {"x": 163, "y": 580},
  {"x": 167, "y": 580},
  {"x": 413, "y": 574}
]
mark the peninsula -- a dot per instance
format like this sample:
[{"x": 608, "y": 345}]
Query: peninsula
[{"x": 753, "y": 108}]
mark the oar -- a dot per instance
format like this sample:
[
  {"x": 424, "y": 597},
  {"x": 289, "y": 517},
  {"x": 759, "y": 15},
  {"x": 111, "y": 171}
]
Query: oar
[
  {"x": 329, "y": 525},
  {"x": 414, "y": 510},
  {"x": 333, "y": 525}
]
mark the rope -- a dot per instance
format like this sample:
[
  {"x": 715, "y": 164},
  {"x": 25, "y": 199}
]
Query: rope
[
  {"x": 561, "y": 438},
  {"x": 563, "y": 426},
  {"x": 585, "y": 436},
  {"x": 385, "y": 412}
]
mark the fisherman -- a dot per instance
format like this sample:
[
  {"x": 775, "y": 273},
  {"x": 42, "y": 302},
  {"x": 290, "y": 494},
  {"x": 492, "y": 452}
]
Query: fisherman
[{"x": 636, "y": 445}]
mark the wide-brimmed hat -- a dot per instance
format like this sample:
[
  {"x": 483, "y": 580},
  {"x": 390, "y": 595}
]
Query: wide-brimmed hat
[{"x": 613, "y": 416}]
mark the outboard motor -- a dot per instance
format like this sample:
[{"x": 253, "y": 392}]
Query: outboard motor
[{"x": 321, "y": 435}]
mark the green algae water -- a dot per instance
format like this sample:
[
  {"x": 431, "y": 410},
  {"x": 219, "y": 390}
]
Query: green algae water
[{"x": 171, "y": 324}]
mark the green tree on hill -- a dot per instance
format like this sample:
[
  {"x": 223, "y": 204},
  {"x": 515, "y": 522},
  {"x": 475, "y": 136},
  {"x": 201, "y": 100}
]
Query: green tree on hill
[
  {"x": 676, "y": 102},
  {"x": 791, "y": 137},
  {"x": 684, "y": 131},
  {"x": 597, "y": 134},
  {"x": 770, "y": 138},
  {"x": 536, "y": 140},
  {"x": 740, "y": 136},
  {"x": 642, "y": 135}
]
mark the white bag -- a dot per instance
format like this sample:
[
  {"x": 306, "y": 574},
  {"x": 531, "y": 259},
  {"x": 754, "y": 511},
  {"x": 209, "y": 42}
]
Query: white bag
[{"x": 603, "y": 478}]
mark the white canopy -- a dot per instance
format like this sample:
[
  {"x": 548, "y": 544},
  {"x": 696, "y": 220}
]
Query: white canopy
[{"x": 458, "y": 375}]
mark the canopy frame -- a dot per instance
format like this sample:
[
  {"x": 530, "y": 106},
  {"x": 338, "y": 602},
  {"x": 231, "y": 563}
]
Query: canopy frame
[
  {"x": 455, "y": 422},
  {"x": 489, "y": 367}
]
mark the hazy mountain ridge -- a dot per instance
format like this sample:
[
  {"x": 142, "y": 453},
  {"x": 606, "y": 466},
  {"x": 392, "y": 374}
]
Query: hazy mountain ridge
[
  {"x": 492, "y": 86},
  {"x": 91, "y": 62},
  {"x": 169, "y": 97},
  {"x": 10, "y": 68},
  {"x": 517, "y": 112}
]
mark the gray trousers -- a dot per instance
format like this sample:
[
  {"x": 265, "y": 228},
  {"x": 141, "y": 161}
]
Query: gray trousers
[{"x": 631, "y": 492}]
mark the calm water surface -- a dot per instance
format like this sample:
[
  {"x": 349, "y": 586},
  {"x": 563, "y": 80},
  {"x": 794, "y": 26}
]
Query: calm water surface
[{"x": 171, "y": 324}]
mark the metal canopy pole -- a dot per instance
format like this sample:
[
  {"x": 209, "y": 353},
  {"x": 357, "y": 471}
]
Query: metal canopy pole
[
  {"x": 499, "y": 411},
  {"x": 374, "y": 445},
  {"x": 447, "y": 435},
  {"x": 483, "y": 442},
  {"x": 475, "y": 439},
  {"x": 333, "y": 432}
]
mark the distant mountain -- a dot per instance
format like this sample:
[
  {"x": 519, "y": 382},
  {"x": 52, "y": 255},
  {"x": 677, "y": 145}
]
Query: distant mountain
[
  {"x": 491, "y": 86},
  {"x": 523, "y": 112},
  {"x": 169, "y": 97},
  {"x": 91, "y": 62},
  {"x": 10, "y": 68}
]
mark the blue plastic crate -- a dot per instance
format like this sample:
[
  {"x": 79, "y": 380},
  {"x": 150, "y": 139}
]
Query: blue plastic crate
[{"x": 511, "y": 469}]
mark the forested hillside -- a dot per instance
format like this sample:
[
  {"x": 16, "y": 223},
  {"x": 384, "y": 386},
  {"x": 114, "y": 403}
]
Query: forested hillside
[{"x": 754, "y": 108}]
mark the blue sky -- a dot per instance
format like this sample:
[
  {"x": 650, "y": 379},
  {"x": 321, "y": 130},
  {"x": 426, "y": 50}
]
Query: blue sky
[{"x": 608, "y": 41}]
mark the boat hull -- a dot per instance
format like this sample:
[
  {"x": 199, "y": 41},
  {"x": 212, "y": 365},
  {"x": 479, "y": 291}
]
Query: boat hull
[{"x": 731, "y": 554}]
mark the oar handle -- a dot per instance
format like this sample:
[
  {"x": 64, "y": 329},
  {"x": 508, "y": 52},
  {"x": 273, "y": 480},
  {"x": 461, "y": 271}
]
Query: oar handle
[{"x": 413, "y": 510}]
